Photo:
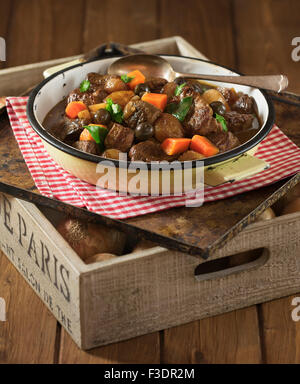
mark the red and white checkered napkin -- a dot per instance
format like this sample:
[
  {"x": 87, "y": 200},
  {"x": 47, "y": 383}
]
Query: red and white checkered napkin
[{"x": 52, "y": 181}]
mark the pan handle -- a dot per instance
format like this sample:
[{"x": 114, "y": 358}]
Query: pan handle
[{"x": 236, "y": 169}]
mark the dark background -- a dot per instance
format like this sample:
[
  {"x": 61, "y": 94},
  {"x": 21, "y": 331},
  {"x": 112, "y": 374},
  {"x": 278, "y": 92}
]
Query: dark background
[{"x": 252, "y": 36}]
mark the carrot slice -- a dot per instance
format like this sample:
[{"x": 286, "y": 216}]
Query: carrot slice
[
  {"x": 175, "y": 146},
  {"x": 85, "y": 134},
  {"x": 138, "y": 78},
  {"x": 159, "y": 100},
  {"x": 204, "y": 146},
  {"x": 74, "y": 108}
]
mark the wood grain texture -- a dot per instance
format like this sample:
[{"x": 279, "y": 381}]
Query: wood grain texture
[
  {"x": 43, "y": 31},
  {"x": 281, "y": 335},
  {"x": 124, "y": 22},
  {"x": 264, "y": 31},
  {"x": 181, "y": 345},
  {"x": 226, "y": 339},
  {"x": 201, "y": 23},
  {"x": 141, "y": 350},
  {"x": 235, "y": 335},
  {"x": 28, "y": 335}
]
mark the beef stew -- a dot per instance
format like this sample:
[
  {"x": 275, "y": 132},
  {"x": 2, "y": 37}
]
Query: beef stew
[{"x": 152, "y": 119}]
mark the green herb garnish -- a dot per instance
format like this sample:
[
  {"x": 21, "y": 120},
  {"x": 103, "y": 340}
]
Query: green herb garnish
[
  {"x": 115, "y": 111},
  {"x": 98, "y": 133},
  {"x": 126, "y": 79},
  {"x": 179, "y": 88},
  {"x": 85, "y": 86},
  {"x": 222, "y": 121},
  {"x": 181, "y": 109}
]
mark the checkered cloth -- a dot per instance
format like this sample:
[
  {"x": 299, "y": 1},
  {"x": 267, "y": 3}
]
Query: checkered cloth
[{"x": 52, "y": 181}]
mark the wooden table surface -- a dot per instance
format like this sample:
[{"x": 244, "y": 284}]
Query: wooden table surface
[{"x": 252, "y": 36}]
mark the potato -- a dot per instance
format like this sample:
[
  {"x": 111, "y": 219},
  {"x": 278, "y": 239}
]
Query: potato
[
  {"x": 167, "y": 126},
  {"x": 89, "y": 239},
  {"x": 212, "y": 95},
  {"x": 96, "y": 107},
  {"x": 268, "y": 214},
  {"x": 112, "y": 153},
  {"x": 292, "y": 206},
  {"x": 120, "y": 97},
  {"x": 191, "y": 155},
  {"x": 99, "y": 257},
  {"x": 143, "y": 244}
]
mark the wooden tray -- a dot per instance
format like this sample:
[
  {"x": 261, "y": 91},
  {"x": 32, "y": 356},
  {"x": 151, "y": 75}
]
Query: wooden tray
[{"x": 198, "y": 231}]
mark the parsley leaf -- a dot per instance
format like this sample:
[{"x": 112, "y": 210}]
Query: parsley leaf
[
  {"x": 85, "y": 86},
  {"x": 126, "y": 79},
  {"x": 222, "y": 121},
  {"x": 98, "y": 133},
  {"x": 179, "y": 88},
  {"x": 181, "y": 109},
  {"x": 115, "y": 111}
]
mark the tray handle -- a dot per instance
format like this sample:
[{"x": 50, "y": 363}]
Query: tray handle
[
  {"x": 243, "y": 262},
  {"x": 239, "y": 168}
]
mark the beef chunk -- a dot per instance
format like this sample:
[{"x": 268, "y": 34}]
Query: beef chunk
[
  {"x": 237, "y": 122},
  {"x": 167, "y": 126},
  {"x": 200, "y": 120},
  {"x": 119, "y": 137},
  {"x": 169, "y": 89},
  {"x": 196, "y": 86},
  {"x": 229, "y": 94},
  {"x": 244, "y": 104},
  {"x": 108, "y": 83},
  {"x": 72, "y": 129},
  {"x": 89, "y": 97},
  {"x": 156, "y": 84},
  {"x": 138, "y": 111},
  {"x": 148, "y": 151},
  {"x": 224, "y": 140},
  {"x": 87, "y": 146}
]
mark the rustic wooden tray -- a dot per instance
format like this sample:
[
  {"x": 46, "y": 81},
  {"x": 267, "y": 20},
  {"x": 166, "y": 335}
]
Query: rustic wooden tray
[{"x": 197, "y": 231}]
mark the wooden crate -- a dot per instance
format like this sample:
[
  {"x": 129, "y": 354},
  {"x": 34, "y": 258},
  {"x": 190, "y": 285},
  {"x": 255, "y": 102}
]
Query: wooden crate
[{"x": 146, "y": 291}]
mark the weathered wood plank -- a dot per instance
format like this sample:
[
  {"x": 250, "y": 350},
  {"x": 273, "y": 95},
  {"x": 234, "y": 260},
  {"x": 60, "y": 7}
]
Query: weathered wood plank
[
  {"x": 125, "y": 22},
  {"x": 43, "y": 31},
  {"x": 264, "y": 32},
  {"x": 28, "y": 335},
  {"x": 205, "y": 24},
  {"x": 231, "y": 338},
  {"x": 226, "y": 339},
  {"x": 280, "y": 334},
  {"x": 141, "y": 350},
  {"x": 181, "y": 345}
]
